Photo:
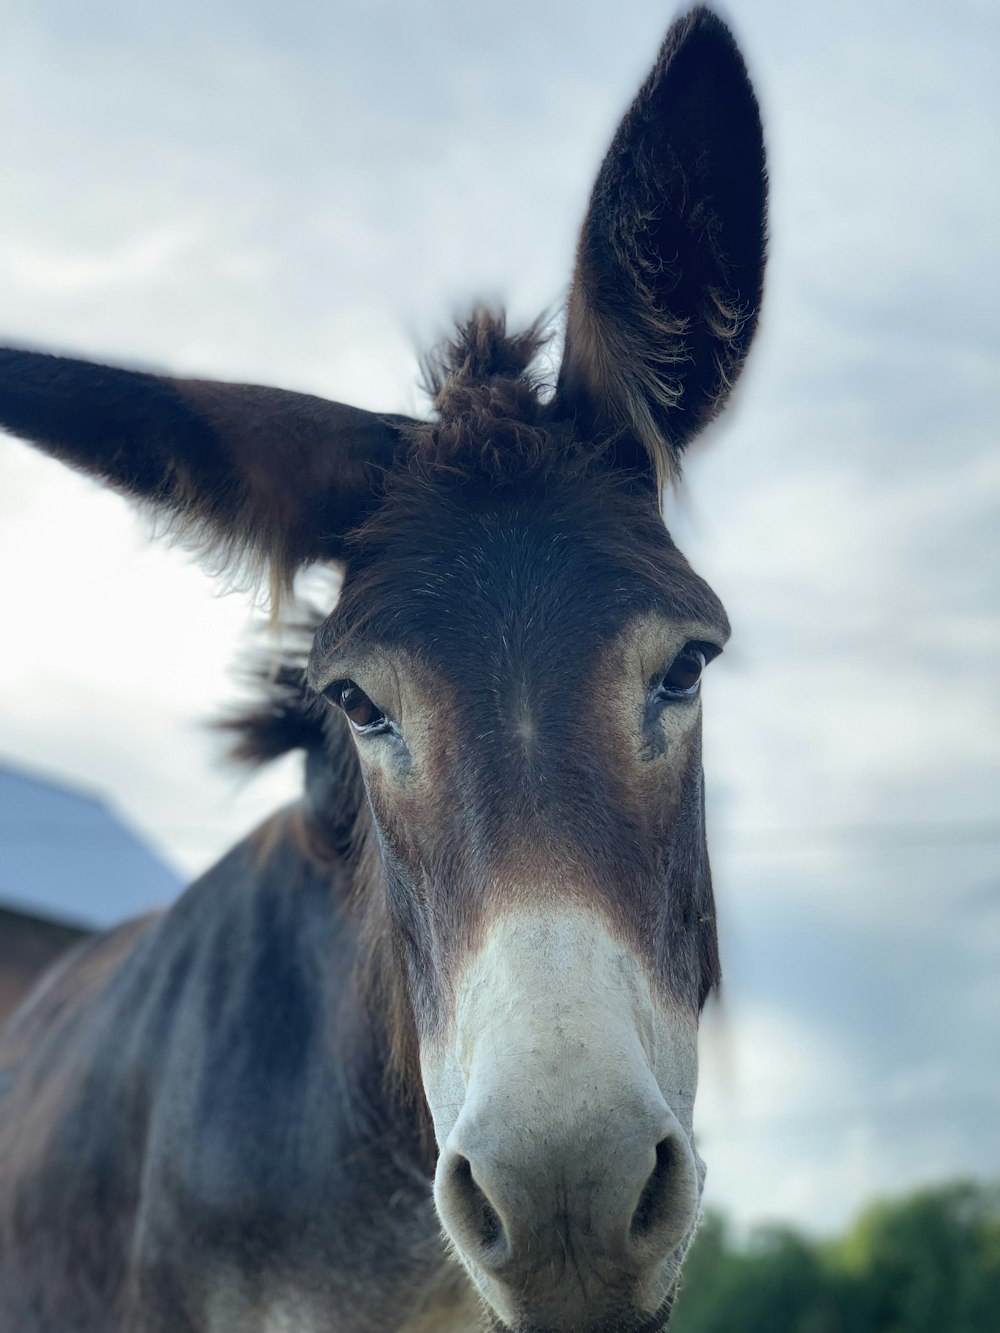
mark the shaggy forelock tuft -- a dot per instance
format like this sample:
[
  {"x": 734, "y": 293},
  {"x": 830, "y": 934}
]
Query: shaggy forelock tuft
[{"x": 479, "y": 352}]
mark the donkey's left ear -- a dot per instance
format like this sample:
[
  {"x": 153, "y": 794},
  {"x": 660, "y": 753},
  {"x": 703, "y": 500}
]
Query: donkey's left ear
[
  {"x": 670, "y": 265},
  {"x": 250, "y": 473}
]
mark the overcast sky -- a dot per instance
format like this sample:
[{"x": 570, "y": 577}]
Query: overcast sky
[{"x": 304, "y": 195}]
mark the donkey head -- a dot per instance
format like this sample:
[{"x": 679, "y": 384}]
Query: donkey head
[{"x": 518, "y": 650}]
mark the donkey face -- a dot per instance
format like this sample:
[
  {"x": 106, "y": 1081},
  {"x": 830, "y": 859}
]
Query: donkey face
[
  {"x": 525, "y": 701},
  {"x": 518, "y": 649}
]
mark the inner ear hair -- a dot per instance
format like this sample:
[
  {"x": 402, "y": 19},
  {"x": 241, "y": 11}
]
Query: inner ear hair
[{"x": 670, "y": 264}]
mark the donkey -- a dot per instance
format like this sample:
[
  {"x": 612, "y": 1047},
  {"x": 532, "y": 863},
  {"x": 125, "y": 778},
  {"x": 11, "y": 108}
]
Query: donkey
[{"x": 420, "y": 1054}]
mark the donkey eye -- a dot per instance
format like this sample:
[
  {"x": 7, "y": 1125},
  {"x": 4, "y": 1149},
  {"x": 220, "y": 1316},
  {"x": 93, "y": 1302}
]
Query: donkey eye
[
  {"x": 683, "y": 676},
  {"x": 362, "y": 714}
]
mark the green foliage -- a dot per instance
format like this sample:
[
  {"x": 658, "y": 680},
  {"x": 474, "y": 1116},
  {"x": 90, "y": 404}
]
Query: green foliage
[{"x": 929, "y": 1263}]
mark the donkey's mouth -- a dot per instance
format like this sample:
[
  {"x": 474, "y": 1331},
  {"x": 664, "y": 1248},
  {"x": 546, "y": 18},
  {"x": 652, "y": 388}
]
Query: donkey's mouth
[{"x": 625, "y": 1322}]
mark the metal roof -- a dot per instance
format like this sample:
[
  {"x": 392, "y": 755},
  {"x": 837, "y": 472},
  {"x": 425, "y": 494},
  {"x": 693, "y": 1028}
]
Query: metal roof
[{"x": 65, "y": 854}]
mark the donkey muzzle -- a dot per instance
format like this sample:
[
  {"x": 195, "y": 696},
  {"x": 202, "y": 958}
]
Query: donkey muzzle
[{"x": 567, "y": 1184}]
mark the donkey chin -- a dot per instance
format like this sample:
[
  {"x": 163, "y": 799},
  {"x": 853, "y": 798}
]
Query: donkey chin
[{"x": 561, "y": 1088}]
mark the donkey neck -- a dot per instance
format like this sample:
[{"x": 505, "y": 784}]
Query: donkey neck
[{"x": 299, "y": 1125}]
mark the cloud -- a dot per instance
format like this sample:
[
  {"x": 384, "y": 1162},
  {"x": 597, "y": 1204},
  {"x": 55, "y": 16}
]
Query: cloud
[{"x": 134, "y": 263}]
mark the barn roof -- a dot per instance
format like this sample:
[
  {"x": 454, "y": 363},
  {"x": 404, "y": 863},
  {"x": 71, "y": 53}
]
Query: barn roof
[{"x": 65, "y": 854}]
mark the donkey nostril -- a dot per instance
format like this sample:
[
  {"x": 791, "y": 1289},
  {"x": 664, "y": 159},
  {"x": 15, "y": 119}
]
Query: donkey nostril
[
  {"x": 481, "y": 1213},
  {"x": 650, "y": 1208}
]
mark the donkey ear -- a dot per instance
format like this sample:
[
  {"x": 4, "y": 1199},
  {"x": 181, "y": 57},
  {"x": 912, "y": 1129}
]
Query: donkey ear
[
  {"x": 250, "y": 473},
  {"x": 670, "y": 264}
]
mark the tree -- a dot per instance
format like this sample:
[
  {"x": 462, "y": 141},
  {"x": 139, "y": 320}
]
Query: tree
[{"x": 929, "y": 1263}]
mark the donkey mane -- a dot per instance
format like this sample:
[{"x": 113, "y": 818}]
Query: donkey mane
[{"x": 286, "y": 714}]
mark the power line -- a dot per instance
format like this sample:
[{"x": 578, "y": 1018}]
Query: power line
[{"x": 875, "y": 835}]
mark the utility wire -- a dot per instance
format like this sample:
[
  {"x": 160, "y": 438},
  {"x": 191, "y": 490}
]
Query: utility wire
[
  {"x": 735, "y": 838},
  {"x": 874, "y": 834}
]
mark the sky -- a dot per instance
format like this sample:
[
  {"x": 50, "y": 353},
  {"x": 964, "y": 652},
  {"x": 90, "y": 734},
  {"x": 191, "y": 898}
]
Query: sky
[{"x": 305, "y": 196}]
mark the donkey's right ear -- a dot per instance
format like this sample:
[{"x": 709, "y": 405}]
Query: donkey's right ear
[{"x": 250, "y": 473}]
